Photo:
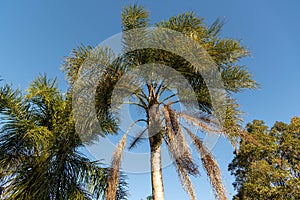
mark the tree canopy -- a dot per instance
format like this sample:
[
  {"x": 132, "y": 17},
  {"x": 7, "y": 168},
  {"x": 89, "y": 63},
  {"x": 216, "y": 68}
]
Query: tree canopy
[{"x": 270, "y": 170}]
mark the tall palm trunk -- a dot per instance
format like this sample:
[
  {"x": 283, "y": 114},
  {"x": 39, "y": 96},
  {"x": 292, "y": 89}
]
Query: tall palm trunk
[
  {"x": 155, "y": 139},
  {"x": 156, "y": 174}
]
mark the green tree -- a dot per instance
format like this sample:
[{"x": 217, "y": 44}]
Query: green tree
[
  {"x": 270, "y": 170},
  {"x": 163, "y": 122},
  {"x": 39, "y": 155}
]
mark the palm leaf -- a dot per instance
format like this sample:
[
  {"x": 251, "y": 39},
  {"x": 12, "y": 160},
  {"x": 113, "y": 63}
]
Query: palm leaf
[
  {"x": 210, "y": 166},
  {"x": 177, "y": 143},
  {"x": 114, "y": 171}
]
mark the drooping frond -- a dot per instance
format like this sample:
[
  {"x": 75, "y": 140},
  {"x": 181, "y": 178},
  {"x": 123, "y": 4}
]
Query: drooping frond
[
  {"x": 185, "y": 180},
  {"x": 199, "y": 122},
  {"x": 179, "y": 151},
  {"x": 232, "y": 126},
  {"x": 177, "y": 143},
  {"x": 211, "y": 167},
  {"x": 114, "y": 172},
  {"x": 106, "y": 86}
]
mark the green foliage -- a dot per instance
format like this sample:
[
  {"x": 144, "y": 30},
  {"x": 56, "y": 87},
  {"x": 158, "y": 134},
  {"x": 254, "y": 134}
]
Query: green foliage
[
  {"x": 72, "y": 64},
  {"x": 134, "y": 17},
  {"x": 270, "y": 170},
  {"x": 225, "y": 52},
  {"x": 39, "y": 156}
]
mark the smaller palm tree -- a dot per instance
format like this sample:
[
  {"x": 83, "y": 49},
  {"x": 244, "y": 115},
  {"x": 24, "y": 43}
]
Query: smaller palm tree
[{"x": 39, "y": 150}]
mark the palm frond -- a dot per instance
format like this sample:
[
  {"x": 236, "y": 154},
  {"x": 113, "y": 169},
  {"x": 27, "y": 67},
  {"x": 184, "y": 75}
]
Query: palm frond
[
  {"x": 134, "y": 17},
  {"x": 187, "y": 23},
  {"x": 215, "y": 28},
  {"x": 185, "y": 180},
  {"x": 177, "y": 143},
  {"x": 11, "y": 102},
  {"x": 73, "y": 63},
  {"x": 199, "y": 122},
  {"x": 137, "y": 139},
  {"x": 114, "y": 172},
  {"x": 211, "y": 167}
]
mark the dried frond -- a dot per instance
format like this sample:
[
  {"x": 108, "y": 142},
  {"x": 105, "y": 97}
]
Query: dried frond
[
  {"x": 198, "y": 122},
  {"x": 114, "y": 172},
  {"x": 177, "y": 143},
  {"x": 211, "y": 167},
  {"x": 200, "y": 115},
  {"x": 183, "y": 160},
  {"x": 185, "y": 181},
  {"x": 214, "y": 174},
  {"x": 173, "y": 119}
]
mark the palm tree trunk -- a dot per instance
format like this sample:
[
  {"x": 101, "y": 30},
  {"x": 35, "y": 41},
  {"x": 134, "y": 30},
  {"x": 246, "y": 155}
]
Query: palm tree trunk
[
  {"x": 155, "y": 140},
  {"x": 156, "y": 174}
]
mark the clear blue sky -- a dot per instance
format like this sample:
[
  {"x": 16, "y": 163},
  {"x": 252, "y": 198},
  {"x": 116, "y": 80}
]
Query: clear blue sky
[{"x": 36, "y": 35}]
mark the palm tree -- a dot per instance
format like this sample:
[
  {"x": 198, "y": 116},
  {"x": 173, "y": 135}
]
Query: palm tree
[
  {"x": 39, "y": 155},
  {"x": 163, "y": 123}
]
